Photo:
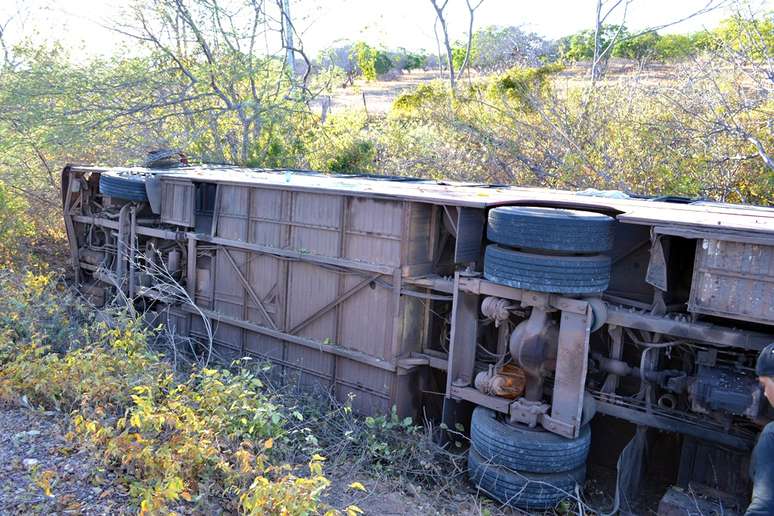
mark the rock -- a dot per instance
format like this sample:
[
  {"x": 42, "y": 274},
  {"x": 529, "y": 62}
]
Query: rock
[
  {"x": 23, "y": 435},
  {"x": 30, "y": 463}
]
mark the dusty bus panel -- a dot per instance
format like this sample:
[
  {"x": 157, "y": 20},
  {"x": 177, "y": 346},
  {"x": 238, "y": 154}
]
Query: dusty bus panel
[
  {"x": 521, "y": 313},
  {"x": 734, "y": 279}
]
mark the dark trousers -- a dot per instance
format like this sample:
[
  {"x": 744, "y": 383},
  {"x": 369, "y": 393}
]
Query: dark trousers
[{"x": 762, "y": 473}]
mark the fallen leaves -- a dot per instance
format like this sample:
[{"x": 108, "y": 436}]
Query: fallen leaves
[{"x": 358, "y": 486}]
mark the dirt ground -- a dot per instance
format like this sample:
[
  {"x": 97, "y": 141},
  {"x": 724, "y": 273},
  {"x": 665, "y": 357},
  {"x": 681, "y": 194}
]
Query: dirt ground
[
  {"x": 376, "y": 97},
  {"x": 43, "y": 473}
]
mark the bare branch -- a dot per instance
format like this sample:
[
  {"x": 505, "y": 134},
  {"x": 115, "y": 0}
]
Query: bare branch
[
  {"x": 439, "y": 13},
  {"x": 471, "y": 12}
]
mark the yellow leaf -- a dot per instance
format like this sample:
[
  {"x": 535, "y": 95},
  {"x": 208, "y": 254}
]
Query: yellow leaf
[
  {"x": 268, "y": 444},
  {"x": 354, "y": 510},
  {"x": 357, "y": 485}
]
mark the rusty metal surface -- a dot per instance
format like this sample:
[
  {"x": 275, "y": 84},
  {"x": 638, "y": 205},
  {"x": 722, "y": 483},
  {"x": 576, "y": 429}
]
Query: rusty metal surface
[
  {"x": 570, "y": 375},
  {"x": 321, "y": 276},
  {"x": 464, "y": 334},
  {"x": 681, "y": 327},
  {"x": 311, "y": 282},
  {"x": 177, "y": 203},
  {"x": 717, "y": 216},
  {"x": 471, "y": 226},
  {"x": 733, "y": 279}
]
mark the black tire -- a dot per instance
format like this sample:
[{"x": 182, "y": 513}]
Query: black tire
[
  {"x": 522, "y": 448},
  {"x": 543, "y": 273},
  {"x": 551, "y": 229},
  {"x": 524, "y": 490},
  {"x": 124, "y": 184}
]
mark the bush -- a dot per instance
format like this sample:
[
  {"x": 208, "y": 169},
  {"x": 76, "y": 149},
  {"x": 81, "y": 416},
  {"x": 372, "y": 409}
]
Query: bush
[
  {"x": 753, "y": 36},
  {"x": 523, "y": 85},
  {"x": 643, "y": 46},
  {"x": 371, "y": 61},
  {"x": 342, "y": 144},
  {"x": 675, "y": 47},
  {"x": 203, "y": 438},
  {"x": 15, "y": 227},
  {"x": 524, "y": 127},
  {"x": 580, "y": 46},
  {"x": 414, "y": 61}
]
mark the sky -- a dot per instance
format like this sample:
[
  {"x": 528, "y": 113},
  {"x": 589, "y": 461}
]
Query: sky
[{"x": 80, "y": 24}]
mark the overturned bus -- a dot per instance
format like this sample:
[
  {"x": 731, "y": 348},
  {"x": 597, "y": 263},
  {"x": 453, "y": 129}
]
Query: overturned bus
[{"x": 554, "y": 326}]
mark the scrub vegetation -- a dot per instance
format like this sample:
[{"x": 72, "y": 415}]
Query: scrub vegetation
[
  {"x": 196, "y": 439},
  {"x": 685, "y": 114},
  {"x": 691, "y": 115}
]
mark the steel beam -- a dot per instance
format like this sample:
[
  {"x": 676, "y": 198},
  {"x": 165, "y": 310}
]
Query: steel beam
[
  {"x": 464, "y": 328},
  {"x": 702, "y": 332},
  {"x": 570, "y": 376}
]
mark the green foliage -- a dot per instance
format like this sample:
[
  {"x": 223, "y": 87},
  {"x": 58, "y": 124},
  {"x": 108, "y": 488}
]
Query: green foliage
[
  {"x": 169, "y": 441},
  {"x": 458, "y": 55},
  {"x": 382, "y": 63},
  {"x": 753, "y": 36},
  {"x": 414, "y": 61},
  {"x": 341, "y": 144},
  {"x": 523, "y": 85},
  {"x": 675, "y": 47},
  {"x": 380, "y": 438},
  {"x": 15, "y": 227},
  {"x": 427, "y": 94},
  {"x": 521, "y": 128},
  {"x": 638, "y": 47},
  {"x": 580, "y": 46},
  {"x": 372, "y": 61}
]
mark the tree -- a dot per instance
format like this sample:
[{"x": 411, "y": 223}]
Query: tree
[
  {"x": 749, "y": 34},
  {"x": 603, "y": 47},
  {"x": 440, "y": 20},
  {"x": 371, "y": 61},
  {"x": 202, "y": 81},
  {"x": 342, "y": 58},
  {"x": 638, "y": 48},
  {"x": 500, "y": 48},
  {"x": 414, "y": 61},
  {"x": 584, "y": 45},
  {"x": 223, "y": 75},
  {"x": 672, "y": 47}
]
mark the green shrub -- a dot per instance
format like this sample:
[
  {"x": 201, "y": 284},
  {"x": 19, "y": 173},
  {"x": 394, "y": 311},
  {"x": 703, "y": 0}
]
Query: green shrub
[
  {"x": 426, "y": 95},
  {"x": 170, "y": 440},
  {"x": 523, "y": 85},
  {"x": 342, "y": 144},
  {"x": 371, "y": 61},
  {"x": 15, "y": 226}
]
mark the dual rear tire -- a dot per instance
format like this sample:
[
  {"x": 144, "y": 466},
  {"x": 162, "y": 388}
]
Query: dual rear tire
[
  {"x": 549, "y": 250},
  {"x": 543, "y": 250},
  {"x": 524, "y": 467}
]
